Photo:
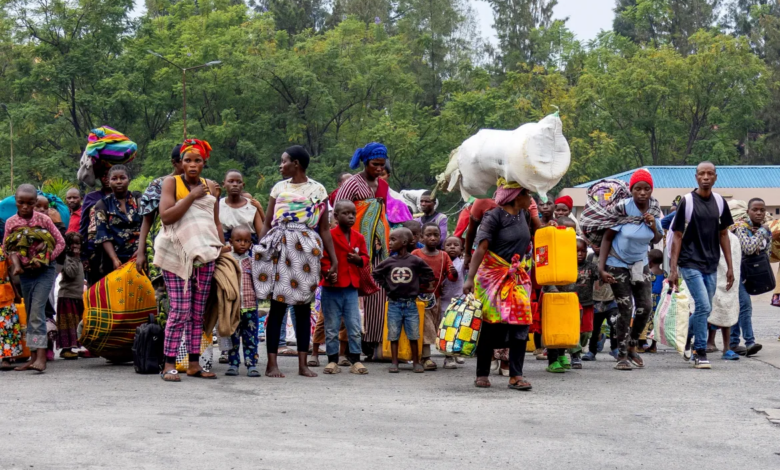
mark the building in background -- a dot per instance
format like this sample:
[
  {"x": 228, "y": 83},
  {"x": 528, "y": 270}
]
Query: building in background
[{"x": 734, "y": 182}]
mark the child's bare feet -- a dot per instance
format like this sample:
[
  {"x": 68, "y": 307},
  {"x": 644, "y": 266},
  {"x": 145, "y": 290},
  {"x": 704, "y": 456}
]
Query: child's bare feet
[
  {"x": 272, "y": 369},
  {"x": 303, "y": 368}
]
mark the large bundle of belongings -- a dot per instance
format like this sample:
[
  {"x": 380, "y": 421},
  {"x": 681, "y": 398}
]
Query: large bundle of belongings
[{"x": 535, "y": 155}]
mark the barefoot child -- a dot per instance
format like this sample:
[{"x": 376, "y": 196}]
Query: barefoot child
[
  {"x": 340, "y": 290},
  {"x": 241, "y": 241},
  {"x": 588, "y": 274},
  {"x": 454, "y": 249},
  {"x": 33, "y": 243},
  {"x": 443, "y": 270},
  {"x": 401, "y": 276},
  {"x": 70, "y": 299}
]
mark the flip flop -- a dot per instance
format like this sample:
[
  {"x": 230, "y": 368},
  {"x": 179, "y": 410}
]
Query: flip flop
[
  {"x": 482, "y": 383},
  {"x": 252, "y": 372},
  {"x": 521, "y": 385},
  {"x": 201, "y": 375},
  {"x": 172, "y": 373},
  {"x": 313, "y": 362},
  {"x": 393, "y": 369},
  {"x": 232, "y": 371},
  {"x": 288, "y": 352}
]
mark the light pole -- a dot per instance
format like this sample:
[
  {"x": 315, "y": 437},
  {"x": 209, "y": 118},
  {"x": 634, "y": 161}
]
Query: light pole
[
  {"x": 11, "y": 124},
  {"x": 184, "y": 71}
]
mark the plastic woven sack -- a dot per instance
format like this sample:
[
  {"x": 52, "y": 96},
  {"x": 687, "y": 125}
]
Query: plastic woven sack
[
  {"x": 460, "y": 327},
  {"x": 535, "y": 155},
  {"x": 671, "y": 317},
  {"x": 725, "y": 303}
]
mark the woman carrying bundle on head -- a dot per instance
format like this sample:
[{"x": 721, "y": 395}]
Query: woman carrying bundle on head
[
  {"x": 286, "y": 266},
  {"x": 185, "y": 250},
  {"x": 369, "y": 192}
]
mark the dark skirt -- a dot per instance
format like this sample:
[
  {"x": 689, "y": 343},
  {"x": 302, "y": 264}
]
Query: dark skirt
[{"x": 69, "y": 313}]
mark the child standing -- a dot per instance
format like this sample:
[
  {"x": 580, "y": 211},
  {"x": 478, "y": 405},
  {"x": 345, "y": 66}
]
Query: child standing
[
  {"x": 241, "y": 241},
  {"x": 401, "y": 276},
  {"x": 557, "y": 362},
  {"x": 340, "y": 290},
  {"x": 443, "y": 269},
  {"x": 70, "y": 299},
  {"x": 33, "y": 243},
  {"x": 10, "y": 327},
  {"x": 655, "y": 260},
  {"x": 588, "y": 274},
  {"x": 450, "y": 290}
]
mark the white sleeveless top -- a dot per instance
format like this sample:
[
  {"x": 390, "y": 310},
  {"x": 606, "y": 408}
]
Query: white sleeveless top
[{"x": 232, "y": 218}]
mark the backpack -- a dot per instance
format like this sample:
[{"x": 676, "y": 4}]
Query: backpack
[
  {"x": 688, "y": 198},
  {"x": 148, "y": 356}
]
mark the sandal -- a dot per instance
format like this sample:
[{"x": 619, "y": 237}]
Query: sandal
[
  {"x": 202, "y": 375},
  {"x": 394, "y": 369},
  {"x": 332, "y": 368},
  {"x": 555, "y": 368},
  {"x": 482, "y": 382},
  {"x": 173, "y": 376},
  {"x": 358, "y": 368},
  {"x": 313, "y": 361},
  {"x": 69, "y": 355},
  {"x": 430, "y": 365},
  {"x": 344, "y": 362},
  {"x": 232, "y": 371},
  {"x": 623, "y": 364},
  {"x": 288, "y": 352},
  {"x": 418, "y": 369},
  {"x": 252, "y": 372},
  {"x": 636, "y": 360},
  {"x": 521, "y": 384}
]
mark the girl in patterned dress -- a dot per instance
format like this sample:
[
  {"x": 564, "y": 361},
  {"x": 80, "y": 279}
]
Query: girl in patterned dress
[{"x": 10, "y": 328}]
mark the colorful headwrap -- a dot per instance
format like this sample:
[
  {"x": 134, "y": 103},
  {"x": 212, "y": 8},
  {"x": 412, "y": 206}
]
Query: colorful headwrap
[
  {"x": 507, "y": 191},
  {"x": 201, "y": 146},
  {"x": 566, "y": 201},
  {"x": 105, "y": 143},
  {"x": 641, "y": 175},
  {"x": 369, "y": 152}
]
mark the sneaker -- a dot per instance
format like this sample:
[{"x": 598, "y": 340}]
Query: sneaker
[
  {"x": 753, "y": 350},
  {"x": 688, "y": 353},
  {"x": 741, "y": 350},
  {"x": 449, "y": 363},
  {"x": 730, "y": 356},
  {"x": 576, "y": 362},
  {"x": 701, "y": 362},
  {"x": 564, "y": 361},
  {"x": 460, "y": 360},
  {"x": 542, "y": 356},
  {"x": 588, "y": 356},
  {"x": 615, "y": 353}
]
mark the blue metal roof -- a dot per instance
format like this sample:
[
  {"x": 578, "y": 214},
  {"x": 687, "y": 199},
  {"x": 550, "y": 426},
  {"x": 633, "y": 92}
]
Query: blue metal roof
[{"x": 685, "y": 177}]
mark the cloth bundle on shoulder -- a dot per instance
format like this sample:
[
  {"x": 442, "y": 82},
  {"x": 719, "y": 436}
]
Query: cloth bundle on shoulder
[
  {"x": 535, "y": 155},
  {"x": 605, "y": 207}
]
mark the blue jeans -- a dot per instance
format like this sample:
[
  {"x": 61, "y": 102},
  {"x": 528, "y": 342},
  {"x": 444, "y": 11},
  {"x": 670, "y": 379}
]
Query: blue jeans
[
  {"x": 702, "y": 288},
  {"x": 35, "y": 290},
  {"x": 341, "y": 304},
  {"x": 404, "y": 313},
  {"x": 745, "y": 323}
]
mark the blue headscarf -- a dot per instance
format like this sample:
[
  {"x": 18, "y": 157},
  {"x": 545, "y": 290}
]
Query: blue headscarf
[{"x": 370, "y": 151}]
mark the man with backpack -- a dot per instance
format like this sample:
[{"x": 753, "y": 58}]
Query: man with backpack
[{"x": 700, "y": 232}]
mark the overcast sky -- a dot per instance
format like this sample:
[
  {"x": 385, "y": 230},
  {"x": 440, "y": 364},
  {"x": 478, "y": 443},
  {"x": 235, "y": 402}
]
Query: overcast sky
[{"x": 586, "y": 17}]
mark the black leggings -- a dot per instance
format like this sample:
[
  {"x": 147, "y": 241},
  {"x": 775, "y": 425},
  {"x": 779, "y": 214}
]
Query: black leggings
[
  {"x": 302, "y": 326},
  {"x": 498, "y": 336},
  {"x": 598, "y": 320}
]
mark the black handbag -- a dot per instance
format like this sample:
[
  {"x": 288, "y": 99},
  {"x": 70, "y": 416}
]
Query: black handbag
[{"x": 756, "y": 274}]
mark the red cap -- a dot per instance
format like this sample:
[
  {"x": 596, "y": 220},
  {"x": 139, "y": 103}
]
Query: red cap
[
  {"x": 566, "y": 201},
  {"x": 641, "y": 175}
]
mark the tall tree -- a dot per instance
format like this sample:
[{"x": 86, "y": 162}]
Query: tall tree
[{"x": 514, "y": 22}]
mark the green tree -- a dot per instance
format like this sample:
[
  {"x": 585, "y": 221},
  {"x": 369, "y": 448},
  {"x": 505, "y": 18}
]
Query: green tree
[{"x": 514, "y": 22}]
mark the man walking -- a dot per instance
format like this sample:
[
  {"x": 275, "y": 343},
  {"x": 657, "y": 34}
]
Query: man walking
[{"x": 700, "y": 233}]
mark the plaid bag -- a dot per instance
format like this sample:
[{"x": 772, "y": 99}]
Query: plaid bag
[{"x": 460, "y": 327}]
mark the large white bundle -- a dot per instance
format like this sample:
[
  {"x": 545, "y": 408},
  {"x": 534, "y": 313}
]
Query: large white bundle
[
  {"x": 535, "y": 155},
  {"x": 725, "y": 303},
  {"x": 411, "y": 197}
]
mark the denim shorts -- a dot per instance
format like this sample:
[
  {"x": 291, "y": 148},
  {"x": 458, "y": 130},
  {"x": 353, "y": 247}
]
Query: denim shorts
[{"x": 404, "y": 313}]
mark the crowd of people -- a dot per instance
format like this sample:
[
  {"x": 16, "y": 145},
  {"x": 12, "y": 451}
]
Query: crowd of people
[{"x": 366, "y": 265}]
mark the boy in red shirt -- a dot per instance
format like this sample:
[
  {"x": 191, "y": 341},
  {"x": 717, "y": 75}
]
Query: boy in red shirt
[
  {"x": 442, "y": 267},
  {"x": 340, "y": 290}
]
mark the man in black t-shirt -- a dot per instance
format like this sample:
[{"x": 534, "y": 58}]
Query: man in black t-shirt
[{"x": 700, "y": 234}]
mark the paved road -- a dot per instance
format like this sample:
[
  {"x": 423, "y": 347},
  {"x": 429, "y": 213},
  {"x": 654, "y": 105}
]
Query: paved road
[{"x": 88, "y": 414}]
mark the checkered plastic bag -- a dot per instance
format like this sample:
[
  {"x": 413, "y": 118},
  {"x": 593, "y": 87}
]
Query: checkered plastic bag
[{"x": 460, "y": 327}]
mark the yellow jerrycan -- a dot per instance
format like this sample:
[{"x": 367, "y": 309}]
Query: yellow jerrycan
[
  {"x": 555, "y": 256},
  {"x": 560, "y": 320}
]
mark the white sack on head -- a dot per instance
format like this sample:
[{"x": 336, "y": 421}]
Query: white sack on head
[
  {"x": 535, "y": 155},
  {"x": 412, "y": 199}
]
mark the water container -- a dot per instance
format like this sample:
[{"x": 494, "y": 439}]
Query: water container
[
  {"x": 560, "y": 320},
  {"x": 555, "y": 256}
]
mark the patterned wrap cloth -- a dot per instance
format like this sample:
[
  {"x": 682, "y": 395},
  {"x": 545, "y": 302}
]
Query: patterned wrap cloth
[
  {"x": 31, "y": 243},
  {"x": 113, "y": 308},
  {"x": 504, "y": 290},
  {"x": 286, "y": 265}
]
